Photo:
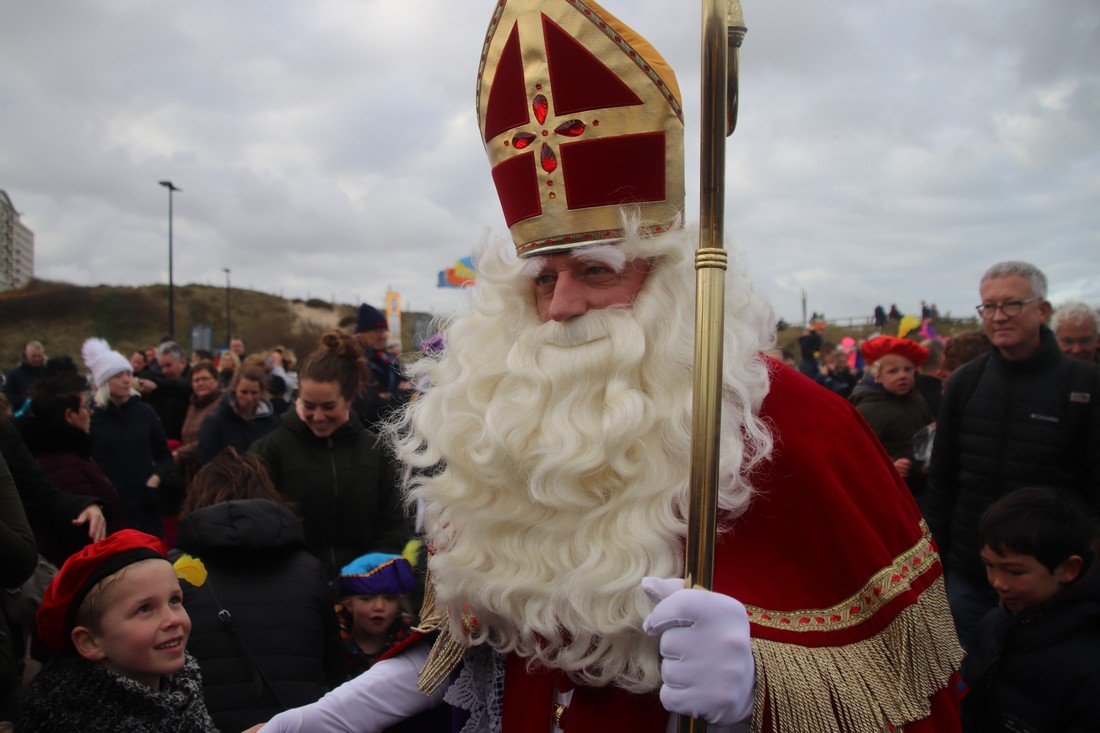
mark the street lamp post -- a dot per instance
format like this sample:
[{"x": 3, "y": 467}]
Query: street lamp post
[
  {"x": 228, "y": 320},
  {"x": 171, "y": 284}
]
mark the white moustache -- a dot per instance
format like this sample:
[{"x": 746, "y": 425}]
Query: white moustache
[{"x": 589, "y": 328}]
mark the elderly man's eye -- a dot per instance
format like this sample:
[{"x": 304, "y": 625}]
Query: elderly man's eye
[{"x": 544, "y": 279}]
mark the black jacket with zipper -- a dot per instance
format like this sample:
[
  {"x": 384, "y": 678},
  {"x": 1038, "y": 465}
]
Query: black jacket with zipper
[{"x": 342, "y": 486}]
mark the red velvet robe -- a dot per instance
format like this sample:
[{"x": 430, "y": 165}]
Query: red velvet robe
[{"x": 841, "y": 581}]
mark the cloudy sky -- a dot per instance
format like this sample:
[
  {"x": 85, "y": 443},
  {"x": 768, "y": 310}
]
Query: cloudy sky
[{"x": 887, "y": 150}]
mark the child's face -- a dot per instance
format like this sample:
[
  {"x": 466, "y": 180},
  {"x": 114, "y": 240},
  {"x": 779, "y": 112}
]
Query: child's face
[
  {"x": 895, "y": 374},
  {"x": 144, "y": 628},
  {"x": 374, "y": 614},
  {"x": 1022, "y": 582}
]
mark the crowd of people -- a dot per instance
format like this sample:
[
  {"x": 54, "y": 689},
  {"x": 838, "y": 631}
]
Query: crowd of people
[
  {"x": 273, "y": 503},
  {"x": 186, "y": 553}
]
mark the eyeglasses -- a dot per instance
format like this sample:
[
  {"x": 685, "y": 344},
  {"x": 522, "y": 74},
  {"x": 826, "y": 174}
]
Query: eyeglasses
[{"x": 1011, "y": 308}]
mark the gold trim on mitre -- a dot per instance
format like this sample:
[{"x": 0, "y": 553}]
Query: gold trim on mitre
[{"x": 580, "y": 117}]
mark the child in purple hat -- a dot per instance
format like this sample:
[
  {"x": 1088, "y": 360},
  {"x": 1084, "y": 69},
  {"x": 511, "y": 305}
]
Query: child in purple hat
[{"x": 374, "y": 610}]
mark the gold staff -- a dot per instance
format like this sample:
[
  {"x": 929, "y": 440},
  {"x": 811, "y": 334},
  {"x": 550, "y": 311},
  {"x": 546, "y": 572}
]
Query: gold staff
[{"x": 723, "y": 30}]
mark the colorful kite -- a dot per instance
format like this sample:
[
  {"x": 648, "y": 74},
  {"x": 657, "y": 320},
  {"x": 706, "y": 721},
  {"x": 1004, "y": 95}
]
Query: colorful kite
[{"x": 461, "y": 275}]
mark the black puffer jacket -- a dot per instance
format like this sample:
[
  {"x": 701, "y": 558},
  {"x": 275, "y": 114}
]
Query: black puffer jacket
[
  {"x": 277, "y": 596},
  {"x": 343, "y": 487},
  {"x": 1016, "y": 430},
  {"x": 1037, "y": 671}
]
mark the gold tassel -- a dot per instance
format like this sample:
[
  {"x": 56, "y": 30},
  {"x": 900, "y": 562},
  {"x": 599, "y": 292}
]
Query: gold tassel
[
  {"x": 865, "y": 686},
  {"x": 446, "y": 652}
]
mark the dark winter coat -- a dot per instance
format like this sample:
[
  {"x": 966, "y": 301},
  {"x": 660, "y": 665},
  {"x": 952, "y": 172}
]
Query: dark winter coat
[
  {"x": 170, "y": 401},
  {"x": 19, "y": 557},
  {"x": 383, "y": 394},
  {"x": 275, "y": 591},
  {"x": 1016, "y": 430},
  {"x": 1037, "y": 671},
  {"x": 895, "y": 419},
  {"x": 64, "y": 452},
  {"x": 17, "y": 383},
  {"x": 226, "y": 427},
  {"x": 931, "y": 389},
  {"x": 342, "y": 486},
  {"x": 197, "y": 412},
  {"x": 72, "y": 694},
  {"x": 128, "y": 443},
  {"x": 50, "y": 511}
]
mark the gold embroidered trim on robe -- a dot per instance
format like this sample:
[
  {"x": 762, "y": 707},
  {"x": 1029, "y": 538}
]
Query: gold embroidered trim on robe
[
  {"x": 446, "y": 652},
  {"x": 864, "y": 686},
  {"x": 886, "y": 585}
]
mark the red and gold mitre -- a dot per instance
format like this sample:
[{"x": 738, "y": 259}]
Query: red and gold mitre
[{"x": 580, "y": 116}]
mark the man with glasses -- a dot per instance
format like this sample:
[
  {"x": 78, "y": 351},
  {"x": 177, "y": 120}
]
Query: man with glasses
[{"x": 1023, "y": 415}]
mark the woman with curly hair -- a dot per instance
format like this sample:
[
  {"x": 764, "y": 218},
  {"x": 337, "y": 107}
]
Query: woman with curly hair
[{"x": 324, "y": 462}]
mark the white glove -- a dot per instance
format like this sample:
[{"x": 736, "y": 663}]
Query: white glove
[
  {"x": 382, "y": 696},
  {"x": 707, "y": 669}
]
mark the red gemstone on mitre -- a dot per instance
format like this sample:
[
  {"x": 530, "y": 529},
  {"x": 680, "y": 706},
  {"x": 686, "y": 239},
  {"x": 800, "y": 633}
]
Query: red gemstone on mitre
[
  {"x": 572, "y": 128},
  {"x": 522, "y": 140},
  {"x": 540, "y": 107},
  {"x": 548, "y": 159}
]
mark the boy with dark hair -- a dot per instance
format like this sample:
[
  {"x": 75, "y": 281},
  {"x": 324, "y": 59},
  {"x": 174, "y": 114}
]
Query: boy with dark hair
[
  {"x": 115, "y": 614},
  {"x": 1034, "y": 662}
]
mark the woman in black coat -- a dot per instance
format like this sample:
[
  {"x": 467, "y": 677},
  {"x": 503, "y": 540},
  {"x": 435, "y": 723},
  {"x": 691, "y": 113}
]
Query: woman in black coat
[
  {"x": 242, "y": 417},
  {"x": 128, "y": 441},
  {"x": 56, "y": 431},
  {"x": 329, "y": 467},
  {"x": 279, "y": 647}
]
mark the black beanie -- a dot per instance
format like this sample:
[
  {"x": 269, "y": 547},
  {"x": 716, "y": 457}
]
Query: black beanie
[{"x": 369, "y": 318}]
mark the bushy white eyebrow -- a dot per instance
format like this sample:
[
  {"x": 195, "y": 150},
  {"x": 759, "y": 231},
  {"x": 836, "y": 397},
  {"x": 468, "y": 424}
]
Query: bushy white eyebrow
[
  {"x": 532, "y": 266},
  {"x": 604, "y": 254}
]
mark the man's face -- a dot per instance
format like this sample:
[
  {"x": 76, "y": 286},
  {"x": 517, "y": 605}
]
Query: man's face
[
  {"x": 237, "y": 347},
  {"x": 144, "y": 628},
  {"x": 1022, "y": 582},
  {"x": 170, "y": 365},
  {"x": 1017, "y": 337},
  {"x": 1078, "y": 339},
  {"x": 569, "y": 285},
  {"x": 374, "y": 340},
  {"x": 35, "y": 355}
]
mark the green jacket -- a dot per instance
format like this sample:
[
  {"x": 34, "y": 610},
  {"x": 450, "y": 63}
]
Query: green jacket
[{"x": 343, "y": 487}]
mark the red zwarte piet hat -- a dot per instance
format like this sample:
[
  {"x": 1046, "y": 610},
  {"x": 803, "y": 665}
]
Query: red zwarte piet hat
[
  {"x": 57, "y": 615},
  {"x": 878, "y": 347}
]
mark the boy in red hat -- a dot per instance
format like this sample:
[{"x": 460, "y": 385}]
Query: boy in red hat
[
  {"x": 115, "y": 614},
  {"x": 892, "y": 406}
]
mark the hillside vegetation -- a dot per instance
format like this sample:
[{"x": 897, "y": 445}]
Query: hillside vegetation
[{"x": 63, "y": 315}]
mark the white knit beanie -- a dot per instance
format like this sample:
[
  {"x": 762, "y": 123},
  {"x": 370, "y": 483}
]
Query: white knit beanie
[{"x": 103, "y": 362}]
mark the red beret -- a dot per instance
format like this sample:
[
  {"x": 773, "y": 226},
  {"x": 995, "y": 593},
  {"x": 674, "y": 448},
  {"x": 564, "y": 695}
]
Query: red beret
[
  {"x": 57, "y": 615},
  {"x": 878, "y": 347}
]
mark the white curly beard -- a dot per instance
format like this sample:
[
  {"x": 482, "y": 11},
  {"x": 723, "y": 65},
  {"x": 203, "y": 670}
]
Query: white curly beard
[{"x": 566, "y": 449}]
